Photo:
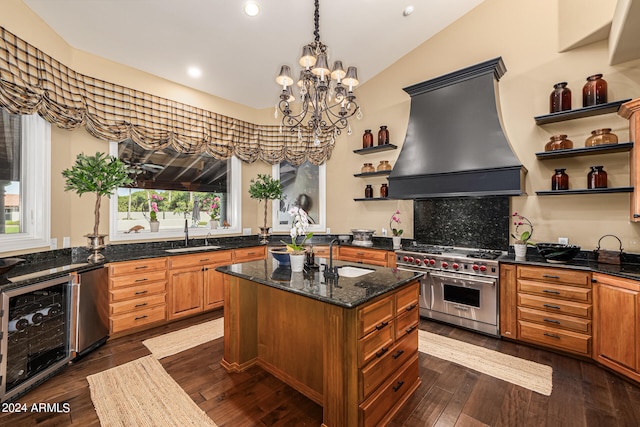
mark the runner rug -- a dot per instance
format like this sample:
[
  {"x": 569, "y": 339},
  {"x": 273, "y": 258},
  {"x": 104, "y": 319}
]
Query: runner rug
[
  {"x": 184, "y": 339},
  {"x": 141, "y": 393},
  {"x": 531, "y": 375}
]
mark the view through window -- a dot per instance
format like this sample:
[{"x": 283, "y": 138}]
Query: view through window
[{"x": 10, "y": 150}]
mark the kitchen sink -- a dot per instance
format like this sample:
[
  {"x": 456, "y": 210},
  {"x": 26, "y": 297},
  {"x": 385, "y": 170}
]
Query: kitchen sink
[
  {"x": 193, "y": 249},
  {"x": 350, "y": 271}
]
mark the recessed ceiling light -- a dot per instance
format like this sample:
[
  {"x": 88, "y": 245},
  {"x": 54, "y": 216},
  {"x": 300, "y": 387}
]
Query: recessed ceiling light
[
  {"x": 407, "y": 10},
  {"x": 251, "y": 8},
  {"x": 194, "y": 72}
]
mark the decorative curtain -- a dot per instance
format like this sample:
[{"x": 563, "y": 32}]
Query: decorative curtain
[{"x": 33, "y": 82}]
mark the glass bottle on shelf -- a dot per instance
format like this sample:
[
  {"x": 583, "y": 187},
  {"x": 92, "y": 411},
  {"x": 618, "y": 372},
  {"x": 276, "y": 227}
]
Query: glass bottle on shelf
[
  {"x": 368, "y": 192},
  {"x": 367, "y": 139},
  {"x": 384, "y": 190},
  {"x": 558, "y": 142},
  {"x": 383, "y": 135},
  {"x": 601, "y": 137},
  {"x": 560, "y": 180},
  {"x": 594, "y": 91},
  {"x": 367, "y": 168},
  {"x": 560, "y": 98},
  {"x": 597, "y": 177},
  {"x": 384, "y": 166}
]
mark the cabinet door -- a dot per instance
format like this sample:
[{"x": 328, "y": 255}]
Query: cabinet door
[
  {"x": 185, "y": 292},
  {"x": 616, "y": 329},
  {"x": 508, "y": 301},
  {"x": 213, "y": 288}
]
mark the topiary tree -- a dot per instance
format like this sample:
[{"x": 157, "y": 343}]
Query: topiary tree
[
  {"x": 264, "y": 187},
  {"x": 101, "y": 174}
]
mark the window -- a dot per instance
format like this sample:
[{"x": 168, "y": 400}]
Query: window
[
  {"x": 25, "y": 177},
  {"x": 303, "y": 186},
  {"x": 180, "y": 189}
]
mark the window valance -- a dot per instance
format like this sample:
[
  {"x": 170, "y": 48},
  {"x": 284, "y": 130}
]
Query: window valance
[{"x": 33, "y": 82}]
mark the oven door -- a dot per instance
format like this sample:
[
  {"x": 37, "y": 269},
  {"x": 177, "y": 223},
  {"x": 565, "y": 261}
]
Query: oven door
[{"x": 465, "y": 296}]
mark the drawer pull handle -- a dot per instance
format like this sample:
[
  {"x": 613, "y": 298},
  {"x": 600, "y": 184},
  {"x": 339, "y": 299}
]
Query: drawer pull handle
[
  {"x": 550, "y": 276},
  {"x": 141, "y": 317},
  {"x": 397, "y": 387},
  {"x": 382, "y": 325},
  {"x": 141, "y": 292},
  {"x": 549, "y": 291},
  {"x": 203, "y": 260},
  {"x": 141, "y": 305},
  {"x": 556, "y": 336},
  {"x": 411, "y": 328},
  {"x": 398, "y": 354},
  {"x": 552, "y": 306},
  {"x": 551, "y": 321},
  {"x": 144, "y": 279},
  {"x": 411, "y": 307},
  {"x": 141, "y": 267},
  {"x": 251, "y": 253},
  {"x": 382, "y": 351}
]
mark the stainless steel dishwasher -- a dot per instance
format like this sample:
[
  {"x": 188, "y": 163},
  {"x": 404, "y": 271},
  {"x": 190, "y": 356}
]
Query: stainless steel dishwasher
[{"x": 92, "y": 310}]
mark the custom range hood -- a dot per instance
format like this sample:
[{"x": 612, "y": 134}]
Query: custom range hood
[{"x": 455, "y": 145}]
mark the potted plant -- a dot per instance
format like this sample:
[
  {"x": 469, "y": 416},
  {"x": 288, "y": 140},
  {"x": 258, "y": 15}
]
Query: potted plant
[
  {"x": 100, "y": 174},
  {"x": 264, "y": 187},
  {"x": 522, "y": 239},
  {"x": 397, "y": 232}
]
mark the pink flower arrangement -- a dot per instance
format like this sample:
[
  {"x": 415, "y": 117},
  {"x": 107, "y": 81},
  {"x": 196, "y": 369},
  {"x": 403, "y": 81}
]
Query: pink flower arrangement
[
  {"x": 215, "y": 208},
  {"x": 153, "y": 214},
  {"x": 395, "y": 218},
  {"x": 523, "y": 237}
]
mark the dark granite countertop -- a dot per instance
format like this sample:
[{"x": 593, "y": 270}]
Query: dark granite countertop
[
  {"x": 347, "y": 292},
  {"x": 41, "y": 266}
]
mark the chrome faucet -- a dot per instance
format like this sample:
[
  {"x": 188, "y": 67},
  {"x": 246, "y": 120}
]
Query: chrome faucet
[
  {"x": 331, "y": 272},
  {"x": 186, "y": 233},
  {"x": 206, "y": 241}
]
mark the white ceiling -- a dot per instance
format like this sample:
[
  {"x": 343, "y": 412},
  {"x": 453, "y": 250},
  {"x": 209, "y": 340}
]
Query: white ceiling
[{"x": 239, "y": 55}]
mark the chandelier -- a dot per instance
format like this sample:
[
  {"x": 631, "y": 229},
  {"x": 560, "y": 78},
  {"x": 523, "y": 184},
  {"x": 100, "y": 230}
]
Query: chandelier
[{"x": 326, "y": 95}]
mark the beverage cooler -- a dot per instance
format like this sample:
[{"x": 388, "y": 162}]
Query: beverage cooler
[{"x": 38, "y": 334}]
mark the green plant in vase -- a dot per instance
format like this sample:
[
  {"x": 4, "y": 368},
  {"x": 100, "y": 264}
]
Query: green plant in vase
[{"x": 265, "y": 188}]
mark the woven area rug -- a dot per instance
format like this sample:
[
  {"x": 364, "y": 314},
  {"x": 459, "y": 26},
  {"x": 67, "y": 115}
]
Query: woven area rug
[
  {"x": 184, "y": 339},
  {"x": 141, "y": 393},
  {"x": 521, "y": 372}
]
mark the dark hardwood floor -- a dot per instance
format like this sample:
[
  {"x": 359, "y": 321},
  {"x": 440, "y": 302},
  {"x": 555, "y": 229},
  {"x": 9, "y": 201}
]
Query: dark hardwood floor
[{"x": 450, "y": 395}]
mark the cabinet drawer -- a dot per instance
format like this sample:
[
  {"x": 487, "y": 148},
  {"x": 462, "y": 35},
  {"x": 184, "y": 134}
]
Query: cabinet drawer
[
  {"x": 375, "y": 315},
  {"x": 249, "y": 254},
  {"x": 138, "y": 291},
  {"x": 555, "y": 320},
  {"x": 323, "y": 251},
  {"x": 555, "y": 306},
  {"x": 206, "y": 258},
  {"x": 137, "y": 279},
  {"x": 134, "y": 267},
  {"x": 139, "y": 318},
  {"x": 375, "y": 345},
  {"x": 556, "y": 275},
  {"x": 372, "y": 375},
  {"x": 407, "y": 299},
  {"x": 406, "y": 323},
  {"x": 383, "y": 403},
  {"x": 556, "y": 338},
  {"x": 573, "y": 293},
  {"x": 367, "y": 256},
  {"x": 137, "y": 304}
]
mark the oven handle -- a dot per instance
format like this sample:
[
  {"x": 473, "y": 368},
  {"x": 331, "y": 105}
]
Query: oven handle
[
  {"x": 435, "y": 275},
  {"x": 414, "y": 270}
]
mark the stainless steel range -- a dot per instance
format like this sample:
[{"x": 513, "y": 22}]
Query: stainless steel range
[{"x": 460, "y": 287}]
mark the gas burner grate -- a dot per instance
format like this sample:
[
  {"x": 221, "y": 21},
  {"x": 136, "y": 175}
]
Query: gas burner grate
[
  {"x": 428, "y": 249},
  {"x": 484, "y": 254}
]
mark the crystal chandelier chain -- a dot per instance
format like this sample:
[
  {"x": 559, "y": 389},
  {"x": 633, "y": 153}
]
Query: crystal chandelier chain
[{"x": 326, "y": 95}]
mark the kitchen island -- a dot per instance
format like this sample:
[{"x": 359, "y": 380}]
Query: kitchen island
[{"x": 351, "y": 345}]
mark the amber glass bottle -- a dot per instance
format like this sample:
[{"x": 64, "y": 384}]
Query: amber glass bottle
[
  {"x": 560, "y": 98},
  {"x": 383, "y": 135},
  {"x": 597, "y": 177},
  {"x": 560, "y": 180},
  {"x": 367, "y": 139},
  {"x": 594, "y": 91},
  {"x": 384, "y": 190},
  {"x": 368, "y": 192}
]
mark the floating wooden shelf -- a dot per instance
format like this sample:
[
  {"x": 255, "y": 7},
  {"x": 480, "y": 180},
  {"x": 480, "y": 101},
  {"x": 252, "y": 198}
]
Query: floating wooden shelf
[
  {"x": 586, "y": 191},
  {"x": 586, "y": 151},
  {"x": 375, "y": 149},
  {"x": 594, "y": 110},
  {"x": 372, "y": 199},
  {"x": 379, "y": 173}
]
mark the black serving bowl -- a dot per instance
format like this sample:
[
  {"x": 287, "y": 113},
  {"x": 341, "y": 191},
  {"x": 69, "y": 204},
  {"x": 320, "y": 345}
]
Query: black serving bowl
[
  {"x": 281, "y": 255},
  {"x": 556, "y": 252},
  {"x": 7, "y": 264}
]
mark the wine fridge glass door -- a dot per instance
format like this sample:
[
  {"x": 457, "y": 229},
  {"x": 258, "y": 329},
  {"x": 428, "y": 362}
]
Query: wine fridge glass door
[{"x": 37, "y": 334}]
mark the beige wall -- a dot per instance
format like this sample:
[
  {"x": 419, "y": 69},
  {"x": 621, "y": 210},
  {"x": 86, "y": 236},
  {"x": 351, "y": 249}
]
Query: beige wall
[{"x": 524, "y": 33}]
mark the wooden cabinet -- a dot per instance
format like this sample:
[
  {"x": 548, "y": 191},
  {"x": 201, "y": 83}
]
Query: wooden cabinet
[
  {"x": 194, "y": 285},
  {"x": 137, "y": 294},
  {"x": 323, "y": 251},
  {"x": 387, "y": 331},
  {"x": 553, "y": 307},
  {"x": 616, "y": 338},
  {"x": 253, "y": 253},
  {"x": 365, "y": 255},
  {"x": 631, "y": 111}
]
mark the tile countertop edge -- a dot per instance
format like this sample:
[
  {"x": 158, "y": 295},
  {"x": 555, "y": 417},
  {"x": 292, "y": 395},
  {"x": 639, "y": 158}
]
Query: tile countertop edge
[{"x": 349, "y": 292}]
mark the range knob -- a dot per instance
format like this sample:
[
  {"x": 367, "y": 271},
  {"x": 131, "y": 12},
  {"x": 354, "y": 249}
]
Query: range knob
[
  {"x": 405, "y": 258},
  {"x": 475, "y": 267},
  {"x": 432, "y": 261},
  {"x": 418, "y": 261},
  {"x": 445, "y": 264},
  {"x": 483, "y": 268},
  {"x": 455, "y": 266},
  {"x": 410, "y": 259}
]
